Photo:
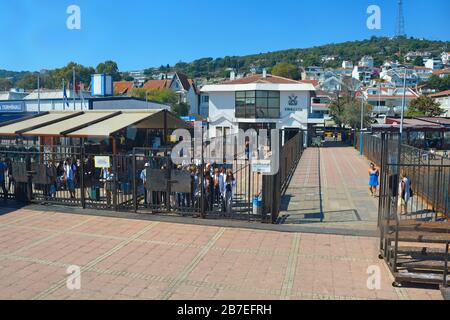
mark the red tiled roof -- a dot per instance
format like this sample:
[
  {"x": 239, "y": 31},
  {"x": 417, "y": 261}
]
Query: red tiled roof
[
  {"x": 445, "y": 71},
  {"x": 440, "y": 94},
  {"x": 122, "y": 87},
  {"x": 315, "y": 83},
  {"x": 258, "y": 78},
  {"x": 157, "y": 84}
]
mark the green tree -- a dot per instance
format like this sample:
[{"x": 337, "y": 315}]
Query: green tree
[
  {"x": 286, "y": 70},
  {"x": 181, "y": 109},
  {"x": 346, "y": 112},
  {"x": 439, "y": 84},
  {"x": 424, "y": 106},
  {"x": 164, "y": 95},
  {"x": 111, "y": 68},
  {"x": 5, "y": 84},
  {"x": 29, "y": 82},
  {"x": 418, "y": 61}
]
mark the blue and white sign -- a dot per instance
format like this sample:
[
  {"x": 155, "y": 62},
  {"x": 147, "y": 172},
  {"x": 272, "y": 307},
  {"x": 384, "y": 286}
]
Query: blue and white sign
[{"x": 12, "y": 107}]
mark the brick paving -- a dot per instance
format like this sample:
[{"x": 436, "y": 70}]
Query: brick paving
[
  {"x": 330, "y": 190},
  {"x": 136, "y": 259}
]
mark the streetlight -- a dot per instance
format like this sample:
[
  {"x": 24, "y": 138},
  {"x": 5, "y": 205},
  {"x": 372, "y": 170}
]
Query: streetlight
[
  {"x": 400, "y": 140},
  {"x": 363, "y": 98}
]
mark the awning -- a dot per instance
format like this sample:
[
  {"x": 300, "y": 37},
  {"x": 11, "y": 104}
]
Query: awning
[
  {"x": 59, "y": 128},
  {"x": 152, "y": 119},
  {"x": 21, "y": 126},
  {"x": 83, "y": 124}
]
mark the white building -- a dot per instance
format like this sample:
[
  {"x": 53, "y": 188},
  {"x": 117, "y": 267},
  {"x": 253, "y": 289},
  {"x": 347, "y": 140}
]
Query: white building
[
  {"x": 366, "y": 61},
  {"x": 314, "y": 73},
  {"x": 443, "y": 98},
  {"x": 388, "y": 101},
  {"x": 434, "y": 64},
  {"x": 363, "y": 74},
  {"x": 347, "y": 64},
  {"x": 445, "y": 57},
  {"x": 259, "y": 102}
]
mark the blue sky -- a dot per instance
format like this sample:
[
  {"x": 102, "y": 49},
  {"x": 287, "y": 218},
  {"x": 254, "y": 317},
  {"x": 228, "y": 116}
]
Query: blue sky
[{"x": 144, "y": 33}]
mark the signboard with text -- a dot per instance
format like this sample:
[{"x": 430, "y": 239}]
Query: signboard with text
[
  {"x": 102, "y": 162},
  {"x": 12, "y": 107},
  {"x": 261, "y": 166}
]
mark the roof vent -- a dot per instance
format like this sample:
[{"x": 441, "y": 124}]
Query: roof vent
[
  {"x": 264, "y": 73},
  {"x": 232, "y": 75}
]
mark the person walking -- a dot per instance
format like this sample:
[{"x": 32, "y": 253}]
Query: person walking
[
  {"x": 405, "y": 192},
  {"x": 3, "y": 168},
  {"x": 374, "y": 175}
]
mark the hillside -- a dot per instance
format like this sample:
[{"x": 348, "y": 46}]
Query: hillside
[{"x": 379, "y": 48}]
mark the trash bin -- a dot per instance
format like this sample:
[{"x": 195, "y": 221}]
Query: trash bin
[{"x": 257, "y": 205}]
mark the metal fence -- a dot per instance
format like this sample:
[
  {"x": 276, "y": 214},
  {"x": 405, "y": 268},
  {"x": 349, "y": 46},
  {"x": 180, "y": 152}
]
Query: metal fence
[
  {"x": 275, "y": 186},
  {"x": 146, "y": 181},
  {"x": 427, "y": 171}
]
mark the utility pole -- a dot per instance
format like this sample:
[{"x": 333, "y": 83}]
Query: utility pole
[
  {"x": 74, "y": 89},
  {"x": 39, "y": 91}
]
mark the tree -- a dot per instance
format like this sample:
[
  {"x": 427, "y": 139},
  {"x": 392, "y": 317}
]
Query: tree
[
  {"x": 181, "y": 109},
  {"x": 439, "y": 84},
  {"x": 29, "y": 82},
  {"x": 424, "y": 106},
  {"x": 346, "y": 111},
  {"x": 286, "y": 70},
  {"x": 418, "y": 61},
  {"x": 111, "y": 68},
  {"x": 5, "y": 84},
  {"x": 164, "y": 95}
]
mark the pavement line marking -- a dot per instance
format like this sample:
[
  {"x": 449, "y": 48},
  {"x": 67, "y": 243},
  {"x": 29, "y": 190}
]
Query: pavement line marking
[
  {"x": 97, "y": 260},
  {"x": 52, "y": 236},
  {"x": 288, "y": 282},
  {"x": 173, "y": 286},
  {"x": 19, "y": 219}
]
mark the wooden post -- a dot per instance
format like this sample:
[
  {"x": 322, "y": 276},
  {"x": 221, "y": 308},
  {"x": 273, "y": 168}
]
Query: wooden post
[{"x": 114, "y": 145}]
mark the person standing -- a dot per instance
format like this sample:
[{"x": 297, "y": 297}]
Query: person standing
[
  {"x": 147, "y": 193},
  {"x": 405, "y": 192},
  {"x": 3, "y": 168},
  {"x": 374, "y": 174},
  {"x": 69, "y": 175},
  {"x": 229, "y": 186}
]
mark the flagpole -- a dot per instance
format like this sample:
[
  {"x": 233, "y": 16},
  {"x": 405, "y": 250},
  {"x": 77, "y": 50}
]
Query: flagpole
[
  {"x": 74, "y": 89},
  {"x": 39, "y": 92},
  {"x": 64, "y": 94}
]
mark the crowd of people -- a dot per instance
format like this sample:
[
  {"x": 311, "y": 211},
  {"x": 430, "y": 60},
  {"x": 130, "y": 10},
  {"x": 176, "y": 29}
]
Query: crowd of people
[
  {"x": 67, "y": 176},
  {"x": 219, "y": 185}
]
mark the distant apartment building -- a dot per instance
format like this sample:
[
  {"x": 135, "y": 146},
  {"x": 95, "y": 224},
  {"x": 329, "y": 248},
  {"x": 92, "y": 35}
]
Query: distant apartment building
[
  {"x": 442, "y": 73},
  {"x": 363, "y": 74},
  {"x": 138, "y": 76},
  {"x": 366, "y": 62},
  {"x": 410, "y": 56},
  {"x": 443, "y": 98},
  {"x": 347, "y": 64},
  {"x": 434, "y": 63},
  {"x": 445, "y": 57},
  {"x": 183, "y": 86},
  {"x": 387, "y": 101},
  {"x": 423, "y": 73},
  {"x": 395, "y": 77},
  {"x": 314, "y": 73}
]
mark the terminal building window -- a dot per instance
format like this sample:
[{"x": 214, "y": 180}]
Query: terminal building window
[{"x": 258, "y": 104}]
